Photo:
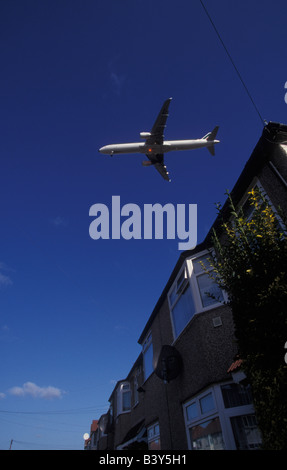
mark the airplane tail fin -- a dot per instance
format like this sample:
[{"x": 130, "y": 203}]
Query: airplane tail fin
[{"x": 211, "y": 135}]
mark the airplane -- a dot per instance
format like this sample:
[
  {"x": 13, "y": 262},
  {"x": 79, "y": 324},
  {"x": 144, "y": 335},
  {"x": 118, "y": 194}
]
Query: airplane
[{"x": 155, "y": 146}]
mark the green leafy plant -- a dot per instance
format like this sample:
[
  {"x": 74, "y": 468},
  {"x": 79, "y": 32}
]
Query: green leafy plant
[{"x": 249, "y": 262}]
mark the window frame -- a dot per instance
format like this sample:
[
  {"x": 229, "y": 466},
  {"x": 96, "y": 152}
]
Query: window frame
[
  {"x": 199, "y": 307},
  {"x": 224, "y": 414},
  {"x": 147, "y": 343},
  {"x": 201, "y": 417},
  {"x": 180, "y": 288},
  {"x": 190, "y": 283},
  {"x": 155, "y": 436},
  {"x": 244, "y": 200},
  {"x": 196, "y": 400},
  {"x": 135, "y": 389},
  {"x": 121, "y": 391}
]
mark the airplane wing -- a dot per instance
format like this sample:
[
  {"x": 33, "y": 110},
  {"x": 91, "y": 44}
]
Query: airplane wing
[
  {"x": 158, "y": 163},
  {"x": 157, "y": 131},
  {"x": 162, "y": 170}
]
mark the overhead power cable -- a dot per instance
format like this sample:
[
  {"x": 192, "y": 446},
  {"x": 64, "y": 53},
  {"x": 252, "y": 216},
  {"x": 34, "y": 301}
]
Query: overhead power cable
[
  {"x": 40, "y": 444},
  {"x": 57, "y": 412},
  {"x": 232, "y": 62}
]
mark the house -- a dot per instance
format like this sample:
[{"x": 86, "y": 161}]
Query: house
[
  {"x": 91, "y": 442},
  {"x": 186, "y": 389}
]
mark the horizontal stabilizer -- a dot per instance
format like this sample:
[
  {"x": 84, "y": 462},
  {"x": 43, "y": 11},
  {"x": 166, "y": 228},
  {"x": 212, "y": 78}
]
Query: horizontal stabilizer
[{"x": 211, "y": 149}]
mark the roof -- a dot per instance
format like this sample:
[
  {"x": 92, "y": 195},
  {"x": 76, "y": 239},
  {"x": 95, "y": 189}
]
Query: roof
[
  {"x": 137, "y": 362},
  {"x": 273, "y": 133},
  {"x": 182, "y": 258},
  {"x": 94, "y": 425},
  {"x": 235, "y": 365}
]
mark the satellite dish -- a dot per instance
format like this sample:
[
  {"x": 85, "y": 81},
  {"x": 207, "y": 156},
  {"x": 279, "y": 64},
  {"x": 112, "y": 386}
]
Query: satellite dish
[
  {"x": 86, "y": 436},
  {"x": 169, "y": 363}
]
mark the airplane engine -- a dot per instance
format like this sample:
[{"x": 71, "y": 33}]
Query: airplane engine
[
  {"x": 147, "y": 163},
  {"x": 145, "y": 135}
]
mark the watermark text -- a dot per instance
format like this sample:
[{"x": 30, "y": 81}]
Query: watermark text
[{"x": 155, "y": 221}]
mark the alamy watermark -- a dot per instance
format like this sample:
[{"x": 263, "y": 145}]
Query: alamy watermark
[
  {"x": 285, "y": 97},
  {"x": 153, "y": 222}
]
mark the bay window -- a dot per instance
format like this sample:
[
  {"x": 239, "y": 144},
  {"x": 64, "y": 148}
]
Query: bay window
[
  {"x": 204, "y": 429},
  {"x": 221, "y": 418},
  {"x": 193, "y": 291}
]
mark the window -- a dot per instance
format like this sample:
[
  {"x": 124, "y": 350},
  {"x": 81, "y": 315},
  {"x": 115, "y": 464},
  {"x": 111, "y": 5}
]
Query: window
[
  {"x": 207, "y": 435},
  {"x": 136, "y": 393},
  {"x": 222, "y": 418},
  {"x": 153, "y": 437},
  {"x": 181, "y": 303},
  {"x": 246, "y": 433},
  {"x": 148, "y": 356},
  {"x": 200, "y": 407},
  {"x": 248, "y": 209},
  {"x": 206, "y": 403},
  {"x": 102, "y": 425},
  {"x": 236, "y": 395},
  {"x": 191, "y": 293},
  {"x": 210, "y": 293},
  {"x": 191, "y": 411},
  {"x": 203, "y": 425},
  {"x": 124, "y": 398}
]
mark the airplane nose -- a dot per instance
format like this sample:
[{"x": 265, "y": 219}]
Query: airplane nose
[{"x": 107, "y": 150}]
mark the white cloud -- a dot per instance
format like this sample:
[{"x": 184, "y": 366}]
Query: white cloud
[
  {"x": 2, "y": 395},
  {"x": 59, "y": 221},
  {"x": 5, "y": 280},
  {"x": 33, "y": 390},
  {"x": 118, "y": 82}
]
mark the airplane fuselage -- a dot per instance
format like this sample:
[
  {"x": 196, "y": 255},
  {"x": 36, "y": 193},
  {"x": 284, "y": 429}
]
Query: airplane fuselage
[{"x": 166, "y": 146}]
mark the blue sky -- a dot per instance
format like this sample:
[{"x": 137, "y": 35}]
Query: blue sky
[{"x": 76, "y": 76}]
